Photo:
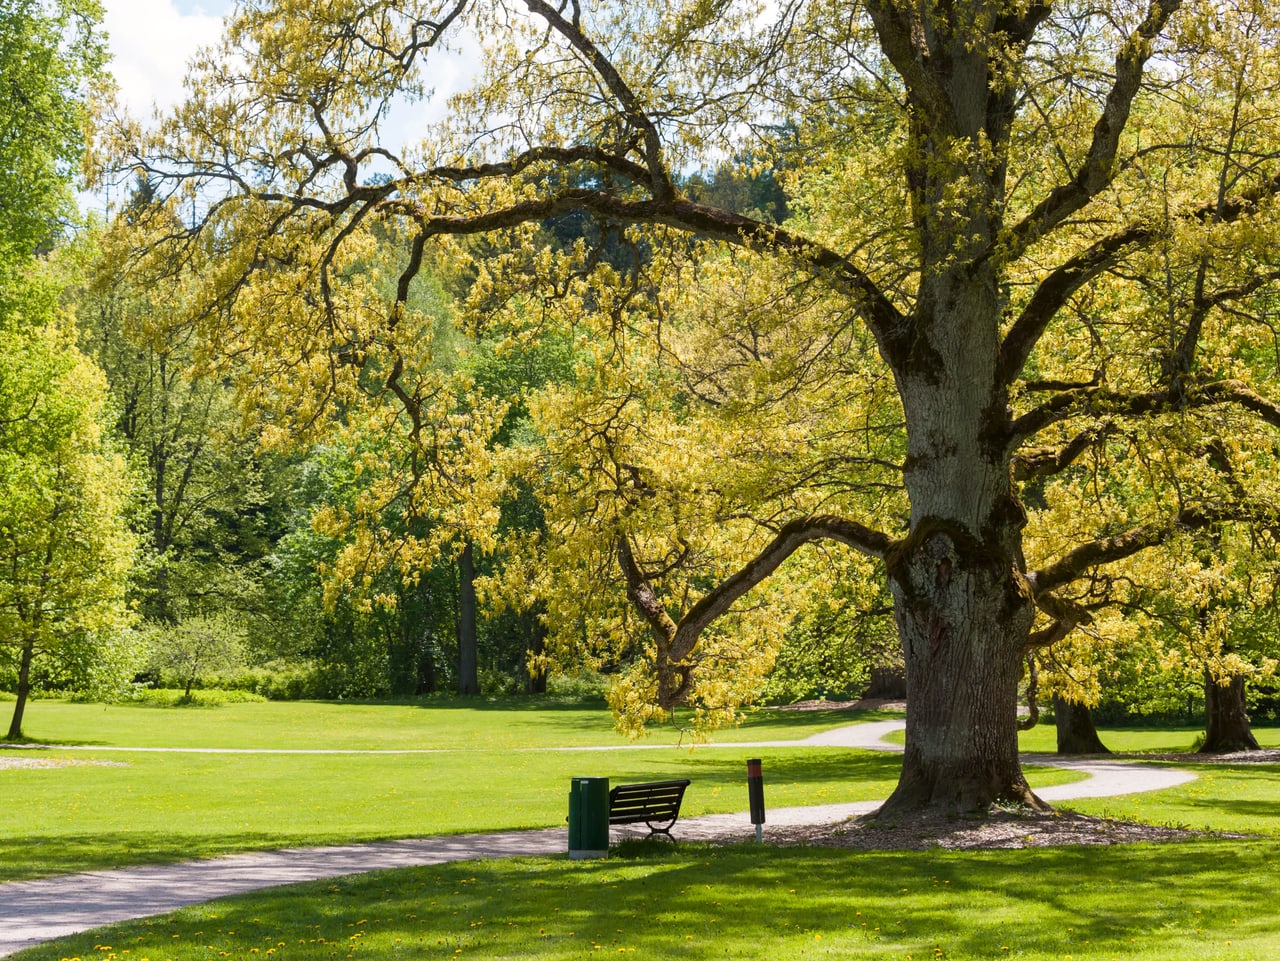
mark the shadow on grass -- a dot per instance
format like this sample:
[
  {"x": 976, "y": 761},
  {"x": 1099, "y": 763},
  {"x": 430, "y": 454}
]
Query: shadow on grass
[
  {"x": 694, "y": 901},
  {"x": 39, "y": 744},
  {"x": 32, "y": 857}
]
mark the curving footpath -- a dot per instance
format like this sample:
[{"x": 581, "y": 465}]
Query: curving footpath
[{"x": 32, "y": 912}]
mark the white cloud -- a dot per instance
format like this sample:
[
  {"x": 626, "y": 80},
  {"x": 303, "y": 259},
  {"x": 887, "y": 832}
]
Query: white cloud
[{"x": 151, "y": 43}]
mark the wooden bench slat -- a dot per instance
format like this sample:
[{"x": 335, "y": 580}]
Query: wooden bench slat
[{"x": 648, "y": 803}]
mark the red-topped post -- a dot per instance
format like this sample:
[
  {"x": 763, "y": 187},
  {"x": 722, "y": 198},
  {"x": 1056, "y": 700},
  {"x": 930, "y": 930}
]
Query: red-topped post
[{"x": 755, "y": 794}]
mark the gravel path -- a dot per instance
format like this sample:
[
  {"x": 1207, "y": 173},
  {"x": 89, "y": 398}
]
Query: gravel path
[{"x": 35, "y": 911}]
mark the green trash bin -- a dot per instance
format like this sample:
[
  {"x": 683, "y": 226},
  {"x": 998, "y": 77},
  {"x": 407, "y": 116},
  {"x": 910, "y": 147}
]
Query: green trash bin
[{"x": 588, "y": 818}]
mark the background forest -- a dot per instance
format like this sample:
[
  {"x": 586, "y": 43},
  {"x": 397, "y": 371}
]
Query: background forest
[{"x": 395, "y": 513}]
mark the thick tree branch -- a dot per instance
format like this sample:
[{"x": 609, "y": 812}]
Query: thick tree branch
[
  {"x": 1107, "y": 550},
  {"x": 1047, "y": 461},
  {"x": 1056, "y": 289},
  {"x": 1066, "y": 616},
  {"x": 676, "y": 642},
  {"x": 1063, "y": 282},
  {"x": 1101, "y": 402},
  {"x": 560, "y": 156},
  {"x": 1096, "y": 170},
  {"x": 884, "y": 320},
  {"x": 642, "y": 596},
  {"x": 904, "y": 40},
  {"x": 790, "y": 538}
]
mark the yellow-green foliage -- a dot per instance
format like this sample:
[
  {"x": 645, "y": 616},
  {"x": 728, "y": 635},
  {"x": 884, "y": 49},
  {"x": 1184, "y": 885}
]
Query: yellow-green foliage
[{"x": 972, "y": 258}]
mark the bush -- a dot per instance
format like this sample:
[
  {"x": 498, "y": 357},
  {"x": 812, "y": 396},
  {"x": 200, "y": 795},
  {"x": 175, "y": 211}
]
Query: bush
[
  {"x": 274, "y": 681},
  {"x": 583, "y": 685},
  {"x": 175, "y": 697}
]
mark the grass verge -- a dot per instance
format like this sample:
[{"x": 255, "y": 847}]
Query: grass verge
[
  {"x": 156, "y": 807},
  {"x": 1199, "y": 901}
]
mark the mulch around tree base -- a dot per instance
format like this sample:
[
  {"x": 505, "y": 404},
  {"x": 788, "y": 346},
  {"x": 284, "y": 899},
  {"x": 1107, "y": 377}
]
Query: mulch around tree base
[{"x": 999, "y": 829}]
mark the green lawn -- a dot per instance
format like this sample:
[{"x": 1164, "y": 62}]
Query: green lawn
[
  {"x": 100, "y": 808},
  {"x": 487, "y": 769},
  {"x": 435, "y": 724},
  {"x": 1241, "y": 798},
  {"x": 161, "y": 807},
  {"x": 1043, "y": 738},
  {"x": 1199, "y": 901}
]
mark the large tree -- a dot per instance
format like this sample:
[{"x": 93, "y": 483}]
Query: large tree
[{"x": 1030, "y": 258}]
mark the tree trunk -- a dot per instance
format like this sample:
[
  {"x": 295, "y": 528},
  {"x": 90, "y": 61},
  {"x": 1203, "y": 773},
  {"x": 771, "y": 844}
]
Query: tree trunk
[
  {"x": 426, "y": 674},
  {"x": 964, "y": 633},
  {"x": 962, "y": 602},
  {"x": 1226, "y": 720},
  {"x": 887, "y": 683},
  {"x": 468, "y": 665},
  {"x": 23, "y": 692},
  {"x": 537, "y": 677},
  {"x": 1076, "y": 733}
]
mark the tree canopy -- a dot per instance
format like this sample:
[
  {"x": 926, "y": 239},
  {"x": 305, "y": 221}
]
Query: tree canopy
[
  {"x": 65, "y": 548},
  {"x": 1013, "y": 345},
  {"x": 51, "y": 56}
]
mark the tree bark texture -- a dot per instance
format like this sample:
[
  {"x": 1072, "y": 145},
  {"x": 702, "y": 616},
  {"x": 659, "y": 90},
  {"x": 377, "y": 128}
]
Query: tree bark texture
[
  {"x": 1226, "y": 722},
  {"x": 1076, "y": 733},
  {"x": 963, "y": 634},
  {"x": 962, "y": 602},
  {"x": 468, "y": 660}
]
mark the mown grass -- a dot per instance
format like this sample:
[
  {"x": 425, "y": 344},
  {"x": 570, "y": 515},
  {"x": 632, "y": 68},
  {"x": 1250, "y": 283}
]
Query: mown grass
[
  {"x": 1043, "y": 739},
  {"x": 430, "y": 724},
  {"x": 1197, "y": 901},
  {"x": 1202, "y": 900},
  {"x": 98, "y": 809},
  {"x": 159, "y": 807},
  {"x": 1242, "y": 798}
]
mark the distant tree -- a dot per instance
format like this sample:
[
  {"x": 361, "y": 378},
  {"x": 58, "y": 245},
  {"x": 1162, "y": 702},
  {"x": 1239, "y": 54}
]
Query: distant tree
[
  {"x": 65, "y": 549},
  {"x": 211, "y": 504},
  {"x": 196, "y": 646},
  {"x": 65, "y": 546}
]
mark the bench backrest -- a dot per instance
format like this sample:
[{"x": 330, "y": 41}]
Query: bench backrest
[{"x": 653, "y": 800}]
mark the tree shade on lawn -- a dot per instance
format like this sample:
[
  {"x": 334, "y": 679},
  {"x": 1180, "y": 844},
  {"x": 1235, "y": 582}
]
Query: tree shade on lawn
[{"x": 1175, "y": 902}]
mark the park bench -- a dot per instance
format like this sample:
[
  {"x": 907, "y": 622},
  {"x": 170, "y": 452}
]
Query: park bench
[{"x": 654, "y": 803}]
